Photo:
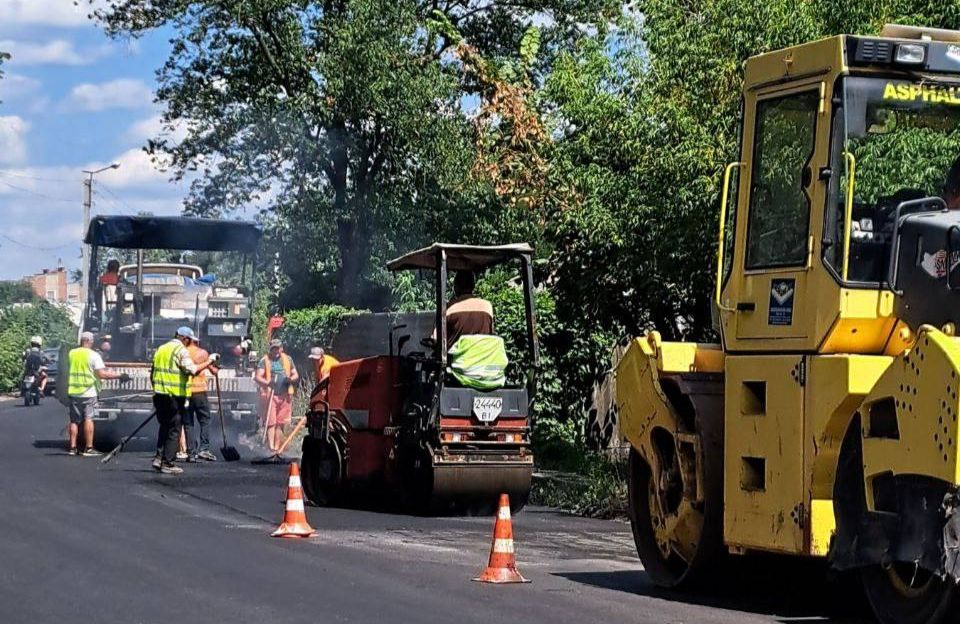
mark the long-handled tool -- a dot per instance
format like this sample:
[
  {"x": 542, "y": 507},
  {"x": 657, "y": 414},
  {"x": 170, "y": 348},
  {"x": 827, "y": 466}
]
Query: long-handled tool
[
  {"x": 266, "y": 419},
  {"x": 124, "y": 441},
  {"x": 229, "y": 453},
  {"x": 277, "y": 457}
]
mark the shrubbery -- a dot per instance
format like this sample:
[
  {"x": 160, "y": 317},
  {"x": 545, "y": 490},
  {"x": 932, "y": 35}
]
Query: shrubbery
[{"x": 20, "y": 321}]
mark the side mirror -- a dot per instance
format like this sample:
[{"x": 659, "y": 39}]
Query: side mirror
[{"x": 403, "y": 340}]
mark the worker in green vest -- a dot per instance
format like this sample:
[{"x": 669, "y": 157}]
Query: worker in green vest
[
  {"x": 85, "y": 371},
  {"x": 171, "y": 379}
]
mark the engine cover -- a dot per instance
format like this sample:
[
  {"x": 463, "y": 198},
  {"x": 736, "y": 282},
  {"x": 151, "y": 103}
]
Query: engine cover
[{"x": 927, "y": 278}]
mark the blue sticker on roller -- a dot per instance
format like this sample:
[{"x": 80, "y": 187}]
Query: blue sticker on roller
[{"x": 781, "y": 302}]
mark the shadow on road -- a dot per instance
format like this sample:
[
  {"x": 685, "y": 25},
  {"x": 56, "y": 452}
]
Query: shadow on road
[{"x": 785, "y": 588}]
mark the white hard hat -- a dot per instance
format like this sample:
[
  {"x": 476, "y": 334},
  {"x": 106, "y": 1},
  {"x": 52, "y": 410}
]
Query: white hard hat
[{"x": 37, "y": 340}]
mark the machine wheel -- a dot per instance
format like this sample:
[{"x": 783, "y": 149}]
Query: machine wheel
[
  {"x": 673, "y": 540},
  {"x": 26, "y": 400},
  {"x": 898, "y": 593},
  {"x": 904, "y": 594},
  {"x": 321, "y": 469}
]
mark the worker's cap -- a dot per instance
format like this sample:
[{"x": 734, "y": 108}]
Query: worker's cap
[
  {"x": 185, "y": 332},
  {"x": 276, "y": 343},
  {"x": 86, "y": 336},
  {"x": 316, "y": 353}
]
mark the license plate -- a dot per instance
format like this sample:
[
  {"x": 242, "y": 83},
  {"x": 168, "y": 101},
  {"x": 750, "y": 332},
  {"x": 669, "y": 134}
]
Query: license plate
[{"x": 487, "y": 409}]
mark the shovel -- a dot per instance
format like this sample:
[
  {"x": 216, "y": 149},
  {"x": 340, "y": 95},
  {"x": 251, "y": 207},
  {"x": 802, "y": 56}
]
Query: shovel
[
  {"x": 230, "y": 453},
  {"x": 106, "y": 458}
]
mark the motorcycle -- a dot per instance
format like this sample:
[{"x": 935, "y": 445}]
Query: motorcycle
[{"x": 30, "y": 388}]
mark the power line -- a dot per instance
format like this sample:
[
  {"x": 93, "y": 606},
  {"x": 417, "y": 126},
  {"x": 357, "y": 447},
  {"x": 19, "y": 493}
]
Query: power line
[
  {"x": 35, "y": 247},
  {"x": 122, "y": 204},
  {"x": 16, "y": 174},
  {"x": 35, "y": 193}
]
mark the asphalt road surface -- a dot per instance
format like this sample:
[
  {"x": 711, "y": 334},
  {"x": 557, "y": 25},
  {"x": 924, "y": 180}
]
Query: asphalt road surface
[{"x": 85, "y": 542}]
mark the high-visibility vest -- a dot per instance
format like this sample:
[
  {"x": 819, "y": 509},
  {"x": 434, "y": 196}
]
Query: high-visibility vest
[
  {"x": 199, "y": 356},
  {"x": 167, "y": 376},
  {"x": 479, "y": 362},
  {"x": 81, "y": 378},
  {"x": 287, "y": 364}
]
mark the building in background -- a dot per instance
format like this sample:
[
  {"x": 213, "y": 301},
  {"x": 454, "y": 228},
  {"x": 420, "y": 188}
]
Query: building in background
[{"x": 54, "y": 286}]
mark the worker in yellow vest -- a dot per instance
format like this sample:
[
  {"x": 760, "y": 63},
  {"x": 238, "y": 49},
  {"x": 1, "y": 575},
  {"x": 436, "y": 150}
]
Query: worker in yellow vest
[
  {"x": 84, "y": 372},
  {"x": 171, "y": 379},
  {"x": 277, "y": 377}
]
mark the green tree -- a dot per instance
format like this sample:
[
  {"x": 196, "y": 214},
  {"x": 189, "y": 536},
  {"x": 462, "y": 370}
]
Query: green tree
[
  {"x": 345, "y": 118},
  {"x": 643, "y": 119}
]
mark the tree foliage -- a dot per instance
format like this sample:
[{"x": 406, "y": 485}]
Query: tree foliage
[
  {"x": 344, "y": 118},
  {"x": 644, "y": 117}
]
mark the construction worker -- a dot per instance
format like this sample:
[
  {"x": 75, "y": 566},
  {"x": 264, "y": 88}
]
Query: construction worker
[
  {"x": 172, "y": 370},
  {"x": 467, "y": 314},
  {"x": 84, "y": 372},
  {"x": 322, "y": 363},
  {"x": 198, "y": 410},
  {"x": 277, "y": 377}
]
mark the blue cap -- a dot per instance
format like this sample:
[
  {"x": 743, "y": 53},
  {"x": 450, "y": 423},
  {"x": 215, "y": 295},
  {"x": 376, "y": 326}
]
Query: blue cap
[{"x": 185, "y": 332}]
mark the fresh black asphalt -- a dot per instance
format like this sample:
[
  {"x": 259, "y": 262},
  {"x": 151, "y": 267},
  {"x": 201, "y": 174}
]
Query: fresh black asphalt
[{"x": 119, "y": 543}]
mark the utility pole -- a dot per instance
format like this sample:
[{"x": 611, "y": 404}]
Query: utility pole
[{"x": 87, "y": 205}]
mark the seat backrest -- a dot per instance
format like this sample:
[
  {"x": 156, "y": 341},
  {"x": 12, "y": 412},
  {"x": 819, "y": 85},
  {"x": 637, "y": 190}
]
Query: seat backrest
[{"x": 479, "y": 362}]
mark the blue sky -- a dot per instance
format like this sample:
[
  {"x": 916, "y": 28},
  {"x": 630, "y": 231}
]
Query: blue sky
[{"x": 72, "y": 99}]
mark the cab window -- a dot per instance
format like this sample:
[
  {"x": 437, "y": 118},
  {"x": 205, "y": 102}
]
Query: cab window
[{"x": 778, "y": 219}]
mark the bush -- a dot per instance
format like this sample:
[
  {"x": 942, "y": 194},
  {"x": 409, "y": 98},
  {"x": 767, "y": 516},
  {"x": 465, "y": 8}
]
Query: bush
[
  {"x": 308, "y": 327},
  {"x": 18, "y": 322}
]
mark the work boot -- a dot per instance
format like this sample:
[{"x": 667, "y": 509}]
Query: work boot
[
  {"x": 157, "y": 463},
  {"x": 171, "y": 469},
  {"x": 207, "y": 455}
]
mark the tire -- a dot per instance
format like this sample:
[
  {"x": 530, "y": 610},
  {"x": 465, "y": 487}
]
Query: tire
[
  {"x": 321, "y": 470},
  {"x": 666, "y": 570},
  {"x": 26, "y": 400},
  {"x": 929, "y": 600},
  {"x": 897, "y": 593}
]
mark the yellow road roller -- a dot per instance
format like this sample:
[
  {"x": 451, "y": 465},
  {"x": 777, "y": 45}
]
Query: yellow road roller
[{"x": 825, "y": 422}]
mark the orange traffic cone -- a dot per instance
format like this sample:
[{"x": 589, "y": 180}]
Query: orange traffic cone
[
  {"x": 294, "y": 518},
  {"x": 502, "y": 567}
]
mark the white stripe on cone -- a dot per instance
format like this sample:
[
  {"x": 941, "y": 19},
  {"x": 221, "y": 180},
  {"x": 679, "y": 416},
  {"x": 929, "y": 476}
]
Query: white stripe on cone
[
  {"x": 294, "y": 481},
  {"x": 295, "y": 504},
  {"x": 503, "y": 546},
  {"x": 503, "y": 513}
]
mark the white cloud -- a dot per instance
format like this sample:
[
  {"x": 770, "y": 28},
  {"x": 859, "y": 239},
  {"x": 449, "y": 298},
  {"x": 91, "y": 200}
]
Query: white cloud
[
  {"x": 121, "y": 93},
  {"x": 14, "y": 86},
  {"x": 55, "y": 52},
  {"x": 62, "y": 13},
  {"x": 13, "y": 145},
  {"x": 152, "y": 128}
]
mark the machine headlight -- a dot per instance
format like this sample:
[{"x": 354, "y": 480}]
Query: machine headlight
[{"x": 911, "y": 54}]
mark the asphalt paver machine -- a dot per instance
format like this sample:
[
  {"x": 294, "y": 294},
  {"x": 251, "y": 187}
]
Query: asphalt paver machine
[{"x": 133, "y": 313}]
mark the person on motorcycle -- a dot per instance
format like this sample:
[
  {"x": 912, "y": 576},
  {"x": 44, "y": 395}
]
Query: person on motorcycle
[{"x": 34, "y": 366}]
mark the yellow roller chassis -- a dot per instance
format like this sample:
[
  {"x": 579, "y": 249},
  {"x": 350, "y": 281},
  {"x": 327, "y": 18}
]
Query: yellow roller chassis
[
  {"x": 825, "y": 423},
  {"x": 671, "y": 410},
  {"x": 908, "y": 465}
]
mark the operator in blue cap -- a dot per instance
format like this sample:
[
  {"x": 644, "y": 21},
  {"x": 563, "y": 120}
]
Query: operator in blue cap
[{"x": 171, "y": 376}]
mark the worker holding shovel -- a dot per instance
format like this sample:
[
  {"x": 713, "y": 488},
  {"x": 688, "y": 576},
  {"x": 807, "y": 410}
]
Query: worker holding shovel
[{"x": 277, "y": 377}]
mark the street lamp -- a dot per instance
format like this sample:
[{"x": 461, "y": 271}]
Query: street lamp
[{"x": 87, "y": 203}]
